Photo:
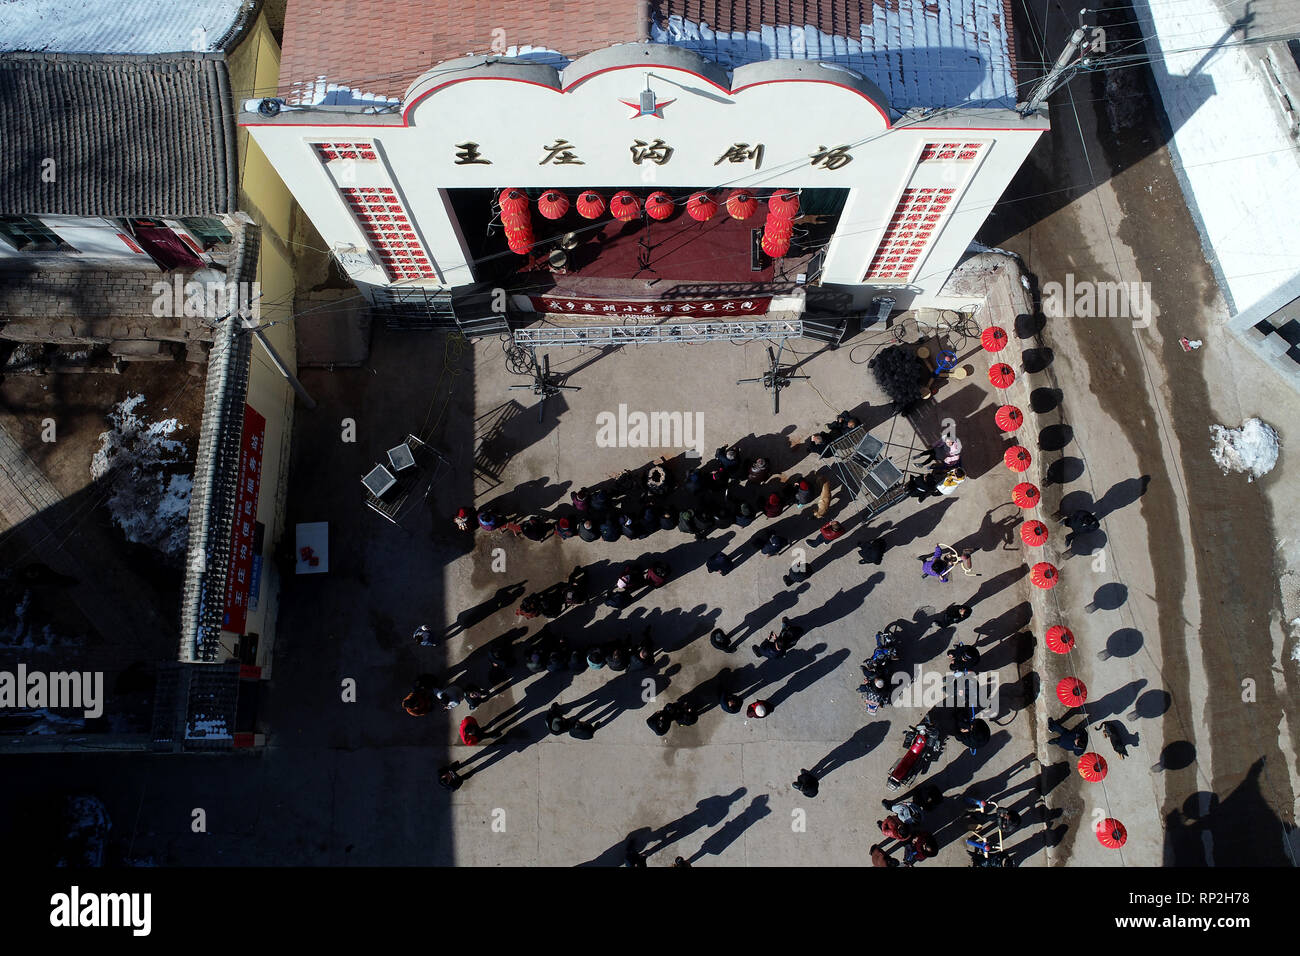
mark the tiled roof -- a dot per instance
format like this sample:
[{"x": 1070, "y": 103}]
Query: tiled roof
[
  {"x": 128, "y": 135},
  {"x": 921, "y": 53},
  {"x": 121, "y": 26},
  {"x": 926, "y": 53},
  {"x": 379, "y": 47}
]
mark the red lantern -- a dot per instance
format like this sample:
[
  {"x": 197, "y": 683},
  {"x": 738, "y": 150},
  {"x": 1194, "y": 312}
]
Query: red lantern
[
  {"x": 783, "y": 205},
  {"x": 779, "y": 228},
  {"x": 1009, "y": 418},
  {"x": 774, "y": 245},
  {"x": 553, "y": 204},
  {"x": 591, "y": 205},
  {"x": 1025, "y": 495},
  {"x": 701, "y": 206},
  {"x": 513, "y": 200},
  {"x": 1034, "y": 533},
  {"x": 1059, "y": 639},
  {"x": 624, "y": 207},
  {"x": 1044, "y": 575},
  {"x": 1002, "y": 375},
  {"x": 1017, "y": 458},
  {"x": 518, "y": 222},
  {"x": 1072, "y": 692},
  {"x": 993, "y": 339},
  {"x": 741, "y": 205},
  {"x": 1111, "y": 833},
  {"x": 659, "y": 205},
  {"x": 1092, "y": 767}
]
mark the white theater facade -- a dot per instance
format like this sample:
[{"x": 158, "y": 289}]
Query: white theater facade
[{"x": 407, "y": 195}]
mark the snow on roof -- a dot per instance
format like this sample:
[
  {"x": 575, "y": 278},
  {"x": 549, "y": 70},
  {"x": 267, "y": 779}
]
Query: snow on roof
[
  {"x": 945, "y": 53},
  {"x": 117, "y": 26},
  {"x": 324, "y": 93},
  {"x": 927, "y": 53}
]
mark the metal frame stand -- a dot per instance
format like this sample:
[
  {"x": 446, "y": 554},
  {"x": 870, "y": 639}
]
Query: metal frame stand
[
  {"x": 544, "y": 383},
  {"x": 775, "y": 378}
]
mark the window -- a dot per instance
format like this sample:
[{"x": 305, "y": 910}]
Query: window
[
  {"x": 211, "y": 231},
  {"x": 364, "y": 152},
  {"x": 910, "y": 230},
  {"x": 950, "y": 152},
  {"x": 389, "y": 232},
  {"x": 29, "y": 234}
]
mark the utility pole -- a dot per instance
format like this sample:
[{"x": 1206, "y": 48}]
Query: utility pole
[
  {"x": 282, "y": 368},
  {"x": 1086, "y": 37}
]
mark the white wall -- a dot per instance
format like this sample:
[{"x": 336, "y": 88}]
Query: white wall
[
  {"x": 511, "y": 122},
  {"x": 97, "y": 239}
]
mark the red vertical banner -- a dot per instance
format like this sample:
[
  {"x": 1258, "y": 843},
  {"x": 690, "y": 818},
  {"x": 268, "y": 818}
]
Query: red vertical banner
[{"x": 239, "y": 573}]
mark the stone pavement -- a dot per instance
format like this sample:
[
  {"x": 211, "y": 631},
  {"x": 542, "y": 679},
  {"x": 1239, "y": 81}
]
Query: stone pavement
[
  {"x": 720, "y": 790},
  {"x": 24, "y": 489}
]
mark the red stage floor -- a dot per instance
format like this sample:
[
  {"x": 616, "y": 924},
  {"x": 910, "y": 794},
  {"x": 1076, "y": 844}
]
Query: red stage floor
[{"x": 679, "y": 249}]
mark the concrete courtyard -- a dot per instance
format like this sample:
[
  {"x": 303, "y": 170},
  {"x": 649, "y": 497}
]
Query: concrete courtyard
[{"x": 718, "y": 791}]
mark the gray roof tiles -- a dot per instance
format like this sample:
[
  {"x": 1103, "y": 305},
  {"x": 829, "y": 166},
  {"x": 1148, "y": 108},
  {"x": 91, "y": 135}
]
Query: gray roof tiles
[{"x": 127, "y": 135}]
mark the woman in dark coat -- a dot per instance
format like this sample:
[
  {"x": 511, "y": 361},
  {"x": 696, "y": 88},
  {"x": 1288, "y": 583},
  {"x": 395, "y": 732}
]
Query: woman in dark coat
[
  {"x": 744, "y": 515},
  {"x": 535, "y": 529}
]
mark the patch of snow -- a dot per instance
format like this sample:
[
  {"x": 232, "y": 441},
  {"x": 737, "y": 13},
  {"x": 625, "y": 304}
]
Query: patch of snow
[
  {"x": 115, "y": 26},
  {"x": 539, "y": 54},
  {"x": 150, "y": 497},
  {"x": 919, "y": 54},
  {"x": 1252, "y": 448},
  {"x": 324, "y": 93},
  {"x": 207, "y": 728}
]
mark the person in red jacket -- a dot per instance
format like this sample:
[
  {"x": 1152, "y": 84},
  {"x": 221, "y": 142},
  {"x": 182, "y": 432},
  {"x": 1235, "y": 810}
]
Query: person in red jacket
[
  {"x": 773, "y": 506},
  {"x": 894, "y": 828},
  {"x": 758, "y": 709},
  {"x": 829, "y": 532},
  {"x": 470, "y": 734}
]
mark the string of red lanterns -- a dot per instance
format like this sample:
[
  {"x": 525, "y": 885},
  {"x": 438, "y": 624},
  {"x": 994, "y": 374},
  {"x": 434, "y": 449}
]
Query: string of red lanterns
[
  {"x": 778, "y": 230},
  {"x": 1070, "y": 691},
  {"x": 625, "y": 206}
]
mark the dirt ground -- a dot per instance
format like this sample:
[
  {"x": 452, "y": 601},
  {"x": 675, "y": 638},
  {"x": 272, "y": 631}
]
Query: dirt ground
[
  {"x": 79, "y": 403},
  {"x": 94, "y": 600}
]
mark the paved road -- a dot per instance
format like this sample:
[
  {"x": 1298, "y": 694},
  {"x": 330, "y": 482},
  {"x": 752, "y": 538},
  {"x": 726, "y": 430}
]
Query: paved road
[{"x": 1198, "y": 580}]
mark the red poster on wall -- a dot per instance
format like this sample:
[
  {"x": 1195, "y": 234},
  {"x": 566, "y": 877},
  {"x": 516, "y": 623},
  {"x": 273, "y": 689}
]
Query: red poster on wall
[{"x": 243, "y": 527}]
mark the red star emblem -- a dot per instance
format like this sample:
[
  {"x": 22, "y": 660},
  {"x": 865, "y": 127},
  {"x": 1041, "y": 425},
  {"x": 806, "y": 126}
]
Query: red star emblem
[{"x": 657, "y": 111}]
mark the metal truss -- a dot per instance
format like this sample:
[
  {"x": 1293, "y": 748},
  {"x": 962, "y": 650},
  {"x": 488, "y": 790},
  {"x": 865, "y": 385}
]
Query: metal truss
[{"x": 680, "y": 333}]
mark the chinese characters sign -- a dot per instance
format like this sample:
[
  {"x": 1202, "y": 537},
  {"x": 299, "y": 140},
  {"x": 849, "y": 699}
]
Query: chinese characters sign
[
  {"x": 702, "y": 309},
  {"x": 243, "y": 526},
  {"x": 564, "y": 153}
]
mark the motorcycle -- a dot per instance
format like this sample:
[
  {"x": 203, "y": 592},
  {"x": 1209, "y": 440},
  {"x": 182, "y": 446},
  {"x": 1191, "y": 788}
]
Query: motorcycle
[
  {"x": 877, "y": 670},
  {"x": 924, "y": 746}
]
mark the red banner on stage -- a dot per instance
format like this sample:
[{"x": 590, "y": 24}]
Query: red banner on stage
[
  {"x": 239, "y": 573},
  {"x": 701, "y": 309}
]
